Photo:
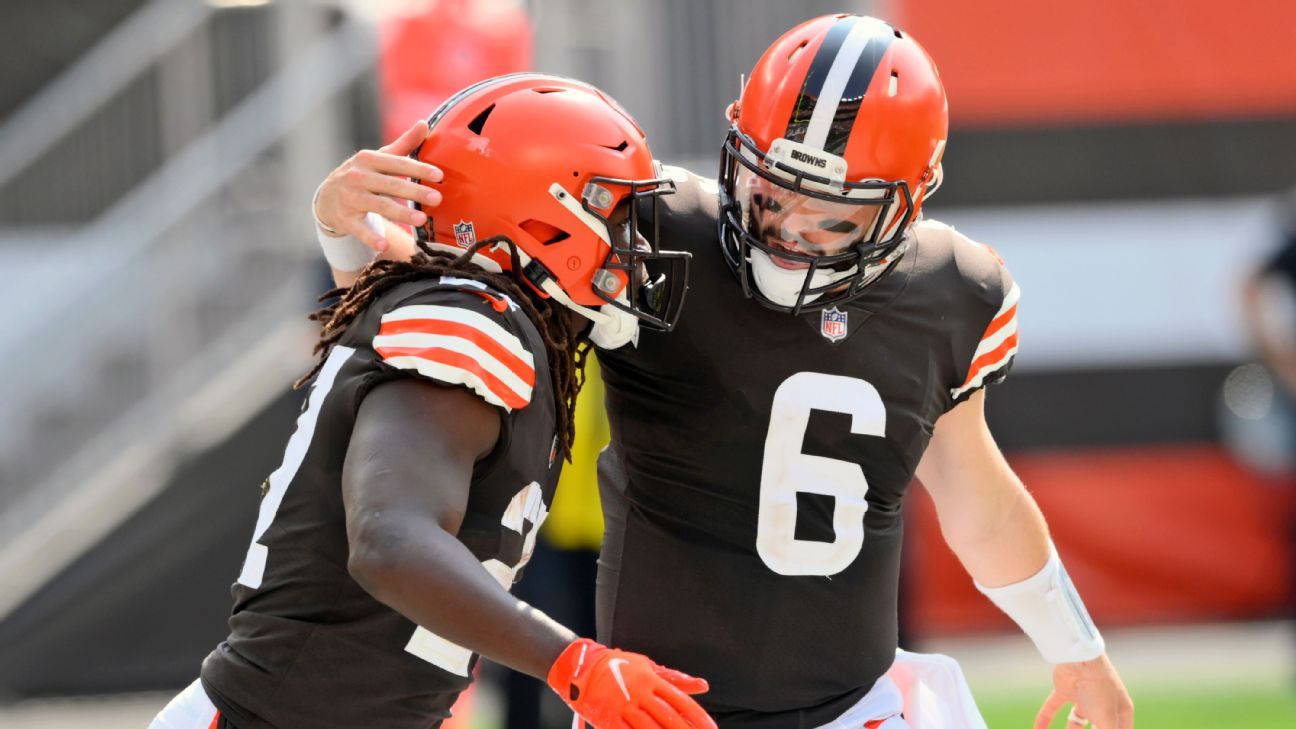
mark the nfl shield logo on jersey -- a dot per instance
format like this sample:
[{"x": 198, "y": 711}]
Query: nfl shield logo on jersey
[
  {"x": 465, "y": 236},
  {"x": 832, "y": 324}
]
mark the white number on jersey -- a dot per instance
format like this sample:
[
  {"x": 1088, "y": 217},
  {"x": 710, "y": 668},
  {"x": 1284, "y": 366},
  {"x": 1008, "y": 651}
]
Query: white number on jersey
[
  {"x": 254, "y": 563},
  {"x": 527, "y": 506},
  {"x": 787, "y": 471}
]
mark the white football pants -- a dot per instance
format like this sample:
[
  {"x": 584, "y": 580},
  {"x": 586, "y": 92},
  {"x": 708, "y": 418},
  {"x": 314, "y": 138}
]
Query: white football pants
[
  {"x": 190, "y": 709},
  {"x": 928, "y": 689}
]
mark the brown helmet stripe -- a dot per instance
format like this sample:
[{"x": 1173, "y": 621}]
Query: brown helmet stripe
[
  {"x": 848, "y": 103},
  {"x": 812, "y": 87}
]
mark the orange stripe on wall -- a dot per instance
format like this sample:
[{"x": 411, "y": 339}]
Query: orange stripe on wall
[
  {"x": 1030, "y": 62},
  {"x": 1149, "y": 535}
]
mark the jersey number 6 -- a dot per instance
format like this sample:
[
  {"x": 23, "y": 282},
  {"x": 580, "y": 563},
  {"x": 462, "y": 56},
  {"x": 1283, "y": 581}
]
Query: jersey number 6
[{"x": 787, "y": 471}]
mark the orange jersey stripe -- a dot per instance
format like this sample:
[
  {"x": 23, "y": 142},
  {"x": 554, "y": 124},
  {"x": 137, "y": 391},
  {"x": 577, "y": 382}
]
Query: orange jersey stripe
[
  {"x": 990, "y": 357},
  {"x": 451, "y": 358},
  {"x": 215, "y": 721},
  {"x": 489, "y": 344},
  {"x": 1000, "y": 322}
]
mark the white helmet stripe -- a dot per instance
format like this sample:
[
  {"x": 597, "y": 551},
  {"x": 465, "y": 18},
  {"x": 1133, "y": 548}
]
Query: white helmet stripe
[
  {"x": 849, "y": 75},
  {"x": 839, "y": 73}
]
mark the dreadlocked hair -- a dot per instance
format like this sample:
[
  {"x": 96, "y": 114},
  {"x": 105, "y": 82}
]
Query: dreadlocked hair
[{"x": 566, "y": 349}]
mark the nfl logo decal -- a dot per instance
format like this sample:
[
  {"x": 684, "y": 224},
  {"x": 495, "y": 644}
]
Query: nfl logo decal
[
  {"x": 465, "y": 236},
  {"x": 832, "y": 324}
]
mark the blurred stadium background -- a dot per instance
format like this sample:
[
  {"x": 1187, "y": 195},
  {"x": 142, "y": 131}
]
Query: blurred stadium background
[{"x": 157, "y": 159}]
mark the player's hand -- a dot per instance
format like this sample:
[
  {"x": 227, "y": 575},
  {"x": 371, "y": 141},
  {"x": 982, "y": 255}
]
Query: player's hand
[
  {"x": 378, "y": 181},
  {"x": 1096, "y": 691},
  {"x": 613, "y": 689}
]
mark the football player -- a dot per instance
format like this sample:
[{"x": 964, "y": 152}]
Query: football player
[
  {"x": 427, "y": 451},
  {"x": 838, "y": 346}
]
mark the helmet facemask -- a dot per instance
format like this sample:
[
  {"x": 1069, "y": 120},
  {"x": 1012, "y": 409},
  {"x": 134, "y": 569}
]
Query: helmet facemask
[
  {"x": 636, "y": 279},
  {"x": 798, "y": 235}
]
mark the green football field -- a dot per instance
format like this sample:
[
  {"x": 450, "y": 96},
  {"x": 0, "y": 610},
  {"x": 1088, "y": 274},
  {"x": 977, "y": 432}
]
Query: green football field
[{"x": 1165, "y": 708}]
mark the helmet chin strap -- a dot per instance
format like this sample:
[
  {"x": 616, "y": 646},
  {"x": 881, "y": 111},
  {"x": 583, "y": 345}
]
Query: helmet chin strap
[
  {"x": 618, "y": 329},
  {"x": 613, "y": 328},
  {"x": 550, "y": 286},
  {"x": 574, "y": 207},
  {"x": 783, "y": 285}
]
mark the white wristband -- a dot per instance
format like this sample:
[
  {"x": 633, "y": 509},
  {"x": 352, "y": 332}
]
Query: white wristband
[
  {"x": 348, "y": 253},
  {"x": 1049, "y": 611}
]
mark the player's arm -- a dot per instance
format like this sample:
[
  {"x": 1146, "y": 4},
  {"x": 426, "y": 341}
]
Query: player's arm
[
  {"x": 359, "y": 205},
  {"x": 997, "y": 531},
  {"x": 977, "y": 496},
  {"x": 405, "y": 485}
]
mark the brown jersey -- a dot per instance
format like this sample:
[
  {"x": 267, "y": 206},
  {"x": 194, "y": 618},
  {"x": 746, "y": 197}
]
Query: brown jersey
[
  {"x": 308, "y": 647},
  {"x": 759, "y": 460}
]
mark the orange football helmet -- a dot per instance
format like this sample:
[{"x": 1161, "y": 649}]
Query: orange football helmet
[
  {"x": 833, "y": 146},
  {"x": 555, "y": 174}
]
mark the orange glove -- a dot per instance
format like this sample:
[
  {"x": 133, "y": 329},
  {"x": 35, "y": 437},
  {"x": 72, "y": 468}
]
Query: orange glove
[{"x": 614, "y": 689}]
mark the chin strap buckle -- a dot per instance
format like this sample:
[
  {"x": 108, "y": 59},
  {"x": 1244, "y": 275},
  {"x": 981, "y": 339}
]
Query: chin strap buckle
[{"x": 536, "y": 273}]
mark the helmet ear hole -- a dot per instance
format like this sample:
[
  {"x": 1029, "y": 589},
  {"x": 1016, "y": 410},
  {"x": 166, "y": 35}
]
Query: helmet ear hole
[{"x": 543, "y": 232}]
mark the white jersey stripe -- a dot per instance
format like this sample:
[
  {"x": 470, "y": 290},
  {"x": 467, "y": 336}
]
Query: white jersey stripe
[
  {"x": 825, "y": 109},
  {"x": 994, "y": 340},
  {"x": 985, "y": 372},
  {"x": 254, "y": 564},
  {"x": 989, "y": 343},
  {"x": 453, "y": 375},
  {"x": 477, "y": 321},
  {"x": 474, "y": 284},
  {"x": 486, "y": 360},
  {"x": 1010, "y": 300}
]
